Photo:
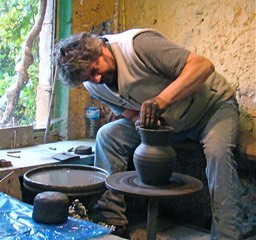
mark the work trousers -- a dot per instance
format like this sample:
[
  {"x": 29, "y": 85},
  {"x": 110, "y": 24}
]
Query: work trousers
[{"x": 217, "y": 132}]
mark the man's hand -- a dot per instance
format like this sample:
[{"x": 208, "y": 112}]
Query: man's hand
[
  {"x": 130, "y": 114},
  {"x": 151, "y": 111}
]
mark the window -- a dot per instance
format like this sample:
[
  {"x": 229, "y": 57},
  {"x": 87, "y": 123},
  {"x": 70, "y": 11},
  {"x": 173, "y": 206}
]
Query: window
[{"x": 28, "y": 102}]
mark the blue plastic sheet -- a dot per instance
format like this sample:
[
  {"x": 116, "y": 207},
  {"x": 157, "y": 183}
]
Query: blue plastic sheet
[{"x": 16, "y": 223}]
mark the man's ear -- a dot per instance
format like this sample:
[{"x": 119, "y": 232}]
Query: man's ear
[{"x": 104, "y": 49}]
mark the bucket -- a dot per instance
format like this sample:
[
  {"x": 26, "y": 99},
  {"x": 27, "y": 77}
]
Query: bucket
[{"x": 85, "y": 183}]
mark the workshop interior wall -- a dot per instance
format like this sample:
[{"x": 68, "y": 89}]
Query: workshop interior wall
[
  {"x": 223, "y": 31},
  {"x": 86, "y": 15}
]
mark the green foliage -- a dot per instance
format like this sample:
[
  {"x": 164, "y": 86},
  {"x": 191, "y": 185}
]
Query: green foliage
[{"x": 17, "y": 17}]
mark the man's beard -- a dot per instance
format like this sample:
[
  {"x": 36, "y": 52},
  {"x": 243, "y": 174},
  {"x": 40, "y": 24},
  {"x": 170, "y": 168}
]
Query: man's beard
[{"x": 110, "y": 77}]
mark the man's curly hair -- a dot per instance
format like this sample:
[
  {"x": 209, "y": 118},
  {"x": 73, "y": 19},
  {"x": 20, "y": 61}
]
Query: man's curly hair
[{"x": 73, "y": 56}]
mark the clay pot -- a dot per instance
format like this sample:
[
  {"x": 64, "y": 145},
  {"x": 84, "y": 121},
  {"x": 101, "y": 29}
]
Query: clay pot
[{"x": 155, "y": 159}]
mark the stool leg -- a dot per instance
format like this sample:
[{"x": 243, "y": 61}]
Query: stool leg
[{"x": 152, "y": 218}]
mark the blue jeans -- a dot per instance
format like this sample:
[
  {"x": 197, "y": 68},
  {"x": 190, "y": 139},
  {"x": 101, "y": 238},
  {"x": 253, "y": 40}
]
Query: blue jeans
[{"x": 117, "y": 141}]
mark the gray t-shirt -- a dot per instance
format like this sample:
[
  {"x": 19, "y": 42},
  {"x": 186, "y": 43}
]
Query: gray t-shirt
[{"x": 158, "y": 53}]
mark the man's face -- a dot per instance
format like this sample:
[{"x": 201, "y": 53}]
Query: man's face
[{"x": 104, "y": 69}]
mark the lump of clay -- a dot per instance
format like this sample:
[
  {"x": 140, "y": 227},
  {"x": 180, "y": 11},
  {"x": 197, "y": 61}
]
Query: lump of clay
[
  {"x": 51, "y": 207},
  {"x": 4, "y": 163},
  {"x": 83, "y": 150}
]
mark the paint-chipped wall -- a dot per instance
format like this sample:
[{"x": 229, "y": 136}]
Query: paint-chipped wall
[{"x": 223, "y": 31}]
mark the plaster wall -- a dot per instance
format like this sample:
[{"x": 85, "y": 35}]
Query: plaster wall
[
  {"x": 223, "y": 31},
  {"x": 85, "y": 15}
]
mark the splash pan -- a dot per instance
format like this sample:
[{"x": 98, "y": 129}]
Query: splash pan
[{"x": 75, "y": 180}]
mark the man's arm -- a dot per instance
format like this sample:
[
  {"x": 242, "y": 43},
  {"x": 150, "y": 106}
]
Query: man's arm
[
  {"x": 195, "y": 72},
  {"x": 187, "y": 72}
]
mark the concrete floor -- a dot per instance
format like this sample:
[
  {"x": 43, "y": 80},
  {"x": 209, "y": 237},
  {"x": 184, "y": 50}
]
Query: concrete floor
[
  {"x": 166, "y": 230},
  {"x": 174, "y": 232}
]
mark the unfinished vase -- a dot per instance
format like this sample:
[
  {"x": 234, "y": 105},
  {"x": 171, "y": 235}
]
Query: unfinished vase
[{"x": 155, "y": 159}]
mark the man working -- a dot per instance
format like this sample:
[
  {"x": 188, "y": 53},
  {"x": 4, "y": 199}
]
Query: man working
[{"x": 144, "y": 77}]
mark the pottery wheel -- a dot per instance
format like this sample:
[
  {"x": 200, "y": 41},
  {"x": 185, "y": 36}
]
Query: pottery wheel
[{"x": 129, "y": 183}]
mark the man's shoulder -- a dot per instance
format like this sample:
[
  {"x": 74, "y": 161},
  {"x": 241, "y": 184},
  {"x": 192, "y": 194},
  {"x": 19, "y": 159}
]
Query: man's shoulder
[{"x": 132, "y": 33}]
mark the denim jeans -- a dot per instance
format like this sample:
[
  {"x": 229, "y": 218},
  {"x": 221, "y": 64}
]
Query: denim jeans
[{"x": 117, "y": 141}]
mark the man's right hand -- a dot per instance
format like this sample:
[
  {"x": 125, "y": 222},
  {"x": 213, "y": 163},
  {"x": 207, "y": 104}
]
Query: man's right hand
[{"x": 151, "y": 111}]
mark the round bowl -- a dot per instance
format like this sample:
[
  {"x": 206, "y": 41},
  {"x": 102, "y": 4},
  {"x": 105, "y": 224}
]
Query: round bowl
[{"x": 85, "y": 183}]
